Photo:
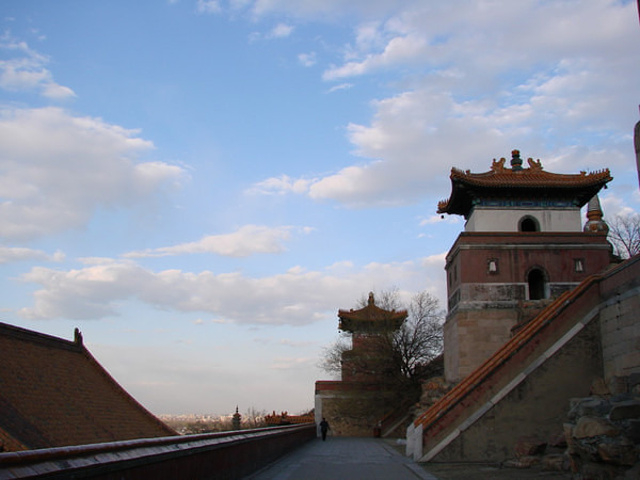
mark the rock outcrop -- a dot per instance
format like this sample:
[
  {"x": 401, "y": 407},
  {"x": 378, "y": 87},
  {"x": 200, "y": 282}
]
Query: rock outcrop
[
  {"x": 603, "y": 434},
  {"x": 600, "y": 441}
]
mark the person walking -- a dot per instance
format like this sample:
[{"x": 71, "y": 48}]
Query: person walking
[{"x": 324, "y": 426}]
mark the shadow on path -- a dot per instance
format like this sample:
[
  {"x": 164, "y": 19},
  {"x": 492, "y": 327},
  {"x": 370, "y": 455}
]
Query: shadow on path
[{"x": 344, "y": 458}]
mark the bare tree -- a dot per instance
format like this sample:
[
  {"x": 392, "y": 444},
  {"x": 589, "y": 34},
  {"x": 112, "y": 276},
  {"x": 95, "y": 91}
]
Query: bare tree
[
  {"x": 624, "y": 235},
  {"x": 331, "y": 360},
  {"x": 254, "y": 418},
  {"x": 419, "y": 339}
]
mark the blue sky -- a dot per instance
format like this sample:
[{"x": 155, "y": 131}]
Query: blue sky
[{"x": 199, "y": 186}]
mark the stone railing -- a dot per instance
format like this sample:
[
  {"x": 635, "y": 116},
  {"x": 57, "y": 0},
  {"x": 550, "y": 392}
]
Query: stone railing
[
  {"x": 228, "y": 455},
  {"x": 395, "y": 421}
]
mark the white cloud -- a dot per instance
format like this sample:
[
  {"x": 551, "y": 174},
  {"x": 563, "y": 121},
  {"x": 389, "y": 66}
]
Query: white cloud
[
  {"x": 148, "y": 176},
  {"x": 469, "y": 95},
  {"x": 324, "y": 8},
  {"x": 410, "y": 140},
  {"x": 280, "y": 185},
  {"x": 16, "y": 254},
  {"x": 208, "y": 6},
  {"x": 57, "y": 169},
  {"x": 307, "y": 59},
  {"x": 281, "y": 30},
  {"x": 613, "y": 206},
  {"x": 369, "y": 36},
  {"x": 399, "y": 50},
  {"x": 246, "y": 241},
  {"x": 23, "y": 69},
  {"x": 342, "y": 86},
  {"x": 296, "y": 297},
  {"x": 58, "y": 92}
]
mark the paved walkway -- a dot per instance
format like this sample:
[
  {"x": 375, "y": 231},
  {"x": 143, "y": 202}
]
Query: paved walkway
[{"x": 344, "y": 458}]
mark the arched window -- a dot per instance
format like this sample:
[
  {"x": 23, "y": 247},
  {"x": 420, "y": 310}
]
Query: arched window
[
  {"x": 537, "y": 284},
  {"x": 528, "y": 224}
]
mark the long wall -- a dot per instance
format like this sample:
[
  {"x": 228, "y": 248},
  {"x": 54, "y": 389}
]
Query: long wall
[
  {"x": 620, "y": 322},
  {"x": 231, "y": 455}
]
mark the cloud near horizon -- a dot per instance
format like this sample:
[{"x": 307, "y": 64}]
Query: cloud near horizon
[
  {"x": 247, "y": 240},
  {"x": 95, "y": 290},
  {"x": 17, "y": 254}
]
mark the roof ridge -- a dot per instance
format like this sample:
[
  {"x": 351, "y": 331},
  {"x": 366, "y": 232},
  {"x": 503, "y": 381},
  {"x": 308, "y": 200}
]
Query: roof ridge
[
  {"x": 501, "y": 180},
  {"x": 39, "y": 338}
]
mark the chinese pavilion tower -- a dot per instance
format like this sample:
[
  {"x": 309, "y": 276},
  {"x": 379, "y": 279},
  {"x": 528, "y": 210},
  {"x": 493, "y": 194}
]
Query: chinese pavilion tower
[
  {"x": 355, "y": 404},
  {"x": 365, "y": 326},
  {"x": 523, "y": 245}
]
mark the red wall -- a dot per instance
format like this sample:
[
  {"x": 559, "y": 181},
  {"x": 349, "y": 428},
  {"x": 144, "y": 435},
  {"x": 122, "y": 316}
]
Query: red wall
[{"x": 467, "y": 261}]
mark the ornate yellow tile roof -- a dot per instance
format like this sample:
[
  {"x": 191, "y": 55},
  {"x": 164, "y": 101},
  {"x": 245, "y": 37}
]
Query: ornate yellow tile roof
[
  {"x": 532, "y": 182},
  {"x": 370, "y": 317}
]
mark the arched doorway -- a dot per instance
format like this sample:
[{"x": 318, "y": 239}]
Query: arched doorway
[
  {"x": 537, "y": 284},
  {"x": 528, "y": 224}
]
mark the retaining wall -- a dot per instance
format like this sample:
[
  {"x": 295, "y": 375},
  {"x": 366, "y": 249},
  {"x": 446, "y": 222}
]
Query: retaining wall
[{"x": 220, "y": 456}]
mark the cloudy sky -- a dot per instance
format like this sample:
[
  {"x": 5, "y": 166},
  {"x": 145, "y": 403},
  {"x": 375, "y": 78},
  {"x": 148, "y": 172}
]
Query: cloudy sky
[{"x": 200, "y": 185}]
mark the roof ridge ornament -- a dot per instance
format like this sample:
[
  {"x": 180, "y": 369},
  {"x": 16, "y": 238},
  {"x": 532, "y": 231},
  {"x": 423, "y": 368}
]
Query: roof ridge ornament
[
  {"x": 534, "y": 165},
  {"x": 516, "y": 161},
  {"x": 498, "y": 165},
  {"x": 77, "y": 336}
]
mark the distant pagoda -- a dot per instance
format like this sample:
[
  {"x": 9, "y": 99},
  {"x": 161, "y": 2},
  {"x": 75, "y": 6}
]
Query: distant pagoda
[
  {"x": 370, "y": 319},
  {"x": 356, "y": 404},
  {"x": 236, "y": 420},
  {"x": 365, "y": 325}
]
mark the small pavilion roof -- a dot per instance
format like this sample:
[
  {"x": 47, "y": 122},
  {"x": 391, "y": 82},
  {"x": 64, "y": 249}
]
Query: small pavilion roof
[
  {"x": 531, "y": 182},
  {"x": 370, "y": 318}
]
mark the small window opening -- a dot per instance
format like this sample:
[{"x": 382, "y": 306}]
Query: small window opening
[
  {"x": 492, "y": 265},
  {"x": 529, "y": 224},
  {"x": 578, "y": 264},
  {"x": 536, "y": 284}
]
